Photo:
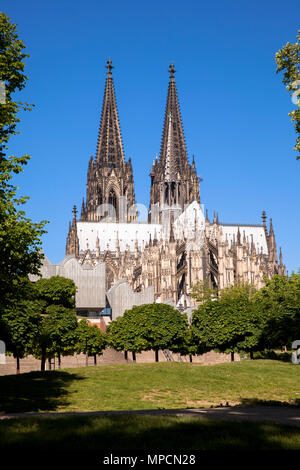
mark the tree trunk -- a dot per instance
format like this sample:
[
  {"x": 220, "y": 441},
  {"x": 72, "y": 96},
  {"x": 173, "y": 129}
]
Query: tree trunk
[
  {"x": 95, "y": 359},
  {"x": 59, "y": 360},
  {"x": 18, "y": 365},
  {"x": 156, "y": 355},
  {"x": 126, "y": 355},
  {"x": 251, "y": 354},
  {"x": 232, "y": 356},
  {"x": 49, "y": 364},
  {"x": 191, "y": 358},
  {"x": 133, "y": 356},
  {"x": 43, "y": 364}
]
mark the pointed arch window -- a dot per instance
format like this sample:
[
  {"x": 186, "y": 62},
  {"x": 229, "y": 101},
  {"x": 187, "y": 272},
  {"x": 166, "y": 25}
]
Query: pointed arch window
[
  {"x": 112, "y": 198},
  {"x": 166, "y": 193},
  {"x": 100, "y": 197}
]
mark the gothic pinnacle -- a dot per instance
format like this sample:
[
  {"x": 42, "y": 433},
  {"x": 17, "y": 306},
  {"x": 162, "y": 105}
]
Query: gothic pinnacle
[
  {"x": 109, "y": 66},
  {"x": 238, "y": 236},
  {"x": 172, "y": 70},
  {"x": 271, "y": 227},
  {"x": 155, "y": 240},
  {"x": 74, "y": 213},
  {"x": 280, "y": 256},
  {"x": 244, "y": 238}
]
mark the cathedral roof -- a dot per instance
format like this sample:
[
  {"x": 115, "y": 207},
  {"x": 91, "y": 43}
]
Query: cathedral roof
[
  {"x": 109, "y": 233},
  {"x": 257, "y": 231}
]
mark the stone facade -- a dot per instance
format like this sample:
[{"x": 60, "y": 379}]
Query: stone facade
[
  {"x": 91, "y": 298},
  {"x": 178, "y": 245}
]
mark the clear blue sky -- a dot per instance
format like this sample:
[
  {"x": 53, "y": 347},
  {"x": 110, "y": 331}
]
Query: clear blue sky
[{"x": 234, "y": 106}]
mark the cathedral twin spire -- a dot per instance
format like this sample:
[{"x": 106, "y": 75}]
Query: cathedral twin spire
[
  {"x": 173, "y": 154},
  {"x": 174, "y": 182},
  {"x": 109, "y": 147},
  {"x": 110, "y": 177}
]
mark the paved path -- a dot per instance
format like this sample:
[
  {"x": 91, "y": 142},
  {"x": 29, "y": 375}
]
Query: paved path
[{"x": 280, "y": 415}]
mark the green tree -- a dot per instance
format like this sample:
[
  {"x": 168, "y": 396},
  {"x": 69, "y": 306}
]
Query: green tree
[
  {"x": 288, "y": 60},
  {"x": 57, "y": 335},
  {"x": 279, "y": 301},
  {"x": 149, "y": 327},
  {"x": 57, "y": 290},
  {"x": 63, "y": 331},
  {"x": 126, "y": 333},
  {"x": 190, "y": 346},
  {"x": 230, "y": 324},
  {"x": 202, "y": 291},
  {"x": 20, "y": 238},
  {"x": 90, "y": 340},
  {"x": 21, "y": 322}
]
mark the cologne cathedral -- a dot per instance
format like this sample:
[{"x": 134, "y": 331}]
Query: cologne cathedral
[{"x": 178, "y": 244}]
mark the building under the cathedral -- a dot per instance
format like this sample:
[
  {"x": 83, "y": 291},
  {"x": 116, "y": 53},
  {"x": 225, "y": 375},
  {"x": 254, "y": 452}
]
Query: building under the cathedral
[{"x": 178, "y": 245}]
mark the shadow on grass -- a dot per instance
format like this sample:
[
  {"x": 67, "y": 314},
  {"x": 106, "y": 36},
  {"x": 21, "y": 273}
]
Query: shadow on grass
[
  {"x": 273, "y": 355},
  {"x": 143, "y": 434},
  {"x": 258, "y": 402},
  {"x": 35, "y": 391}
]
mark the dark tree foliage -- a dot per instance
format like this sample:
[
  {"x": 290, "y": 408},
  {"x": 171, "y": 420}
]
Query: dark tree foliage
[
  {"x": 21, "y": 323},
  {"x": 20, "y": 238},
  {"x": 57, "y": 290},
  {"x": 57, "y": 334}
]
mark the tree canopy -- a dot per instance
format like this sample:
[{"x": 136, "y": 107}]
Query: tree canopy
[
  {"x": 57, "y": 290},
  {"x": 231, "y": 323},
  {"x": 279, "y": 301},
  {"x": 20, "y": 238},
  {"x": 57, "y": 334},
  {"x": 21, "y": 323},
  {"x": 288, "y": 62},
  {"x": 90, "y": 339},
  {"x": 146, "y": 327}
]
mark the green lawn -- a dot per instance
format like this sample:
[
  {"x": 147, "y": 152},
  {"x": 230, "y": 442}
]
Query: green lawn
[
  {"x": 150, "y": 386},
  {"x": 142, "y": 434}
]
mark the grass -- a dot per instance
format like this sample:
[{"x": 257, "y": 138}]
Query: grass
[
  {"x": 143, "y": 433},
  {"x": 151, "y": 386}
]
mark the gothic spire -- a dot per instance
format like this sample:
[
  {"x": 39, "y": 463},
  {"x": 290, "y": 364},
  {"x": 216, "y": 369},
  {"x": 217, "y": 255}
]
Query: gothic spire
[
  {"x": 109, "y": 147},
  {"x": 238, "y": 236},
  {"x": 173, "y": 153},
  {"x": 72, "y": 247},
  {"x": 83, "y": 212},
  {"x": 206, "y": 217},
  {"x": 264, "y": 218},
  {"x": 280, "y": 257}
]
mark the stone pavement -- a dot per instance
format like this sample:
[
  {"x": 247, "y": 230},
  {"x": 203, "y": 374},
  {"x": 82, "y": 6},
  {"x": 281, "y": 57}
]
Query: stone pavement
[{"x": 271, "y": 414}]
